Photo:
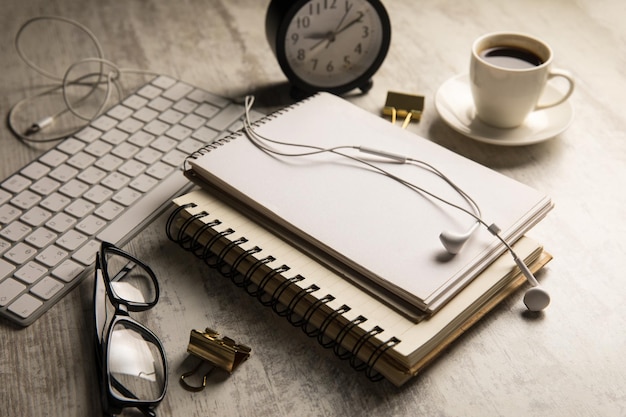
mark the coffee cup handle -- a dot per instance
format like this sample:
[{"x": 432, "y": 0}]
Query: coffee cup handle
[{"x": 570, "y": 79}]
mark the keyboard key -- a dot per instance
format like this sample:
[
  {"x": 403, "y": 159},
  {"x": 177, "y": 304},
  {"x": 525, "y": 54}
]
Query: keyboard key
[
  {"x": 141, "y": 139},
  {"x": 226, "y": 117},
  {"x": 5, "y": 196},
  {"x": 51, "y": 256},
  {"x": 81, "y": 160},
  {"x": 92, "y": 175},
  {"x": 143, "y": 183},
  {"x": 53, "y": 158},
  {"x": 68, "y": 270},
  {"x": 46, "y": 288},
  {"x": 185, "y": 106},
  {"x": 177, "y": 91},
  {"x": 156, "y": 127},
  {"x": 45, "y": 186},
  {"x": 31, "y": 272},
  {"x": 159, "y": 104},
  {"x": 87, "y": 254},
  {"x": 90, "y": 225},
  {"x": 98, "y": 149},
  {"x": 132, "y": 168},
  {"x": 63, "y": 173},
  {"x": 120, "y": 112},
  {"x": 135, "y": 102},
  {"x": 20, "y": 253},
  {"x": 36, "y": 216},
  {"x": 9, "y": 289},
  {"x": 5, "y": 269},
  {"x": 16, "y": 183},
  {"x": 171, "y": 116},
  {"x": 160, "y": 170},
  {"x": 71, "y": 146},
  {"x": 98, "y": 194},
  {"x": 149, "y": 91},
  {"x": 148, "y": 156},
  {"x": 147, "y": 114},
  {"x": 126, "y": 196},
  {"x": 115, "y": 180},
  {"x": 8, "y": 213},
  {"x": 163, "y": 82},
  {"x": 205, "y": 134},
  {"x": 35, "y": 170},
  {"x": 71, "y": 240},
  {"x": 55, "y": 202},
  {"x": 88, "y": 134},
  {"x": 61, "y": 222},
  {"x": 15, "y": 231},
  {"x": 80, "y": 208},
  {"x": 109, "y": 162},
  {"x": 164, "y": 144},
  {"x": 109, "y": 210},
  {"x": 25, "y": 305},
  {"x": 115, "y": 136},
  {"x": 74, "y": 188},
  {"x": 104, "y": 123},
  {"x": 4, "y": 246},
  {"x": 179, "y": 132},
  {"x": 41, "y": 237}
]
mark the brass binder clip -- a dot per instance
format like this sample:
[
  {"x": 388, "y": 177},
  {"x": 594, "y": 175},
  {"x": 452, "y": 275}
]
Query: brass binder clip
[
  {"x": 222, "y": 352},
  {"x": 408, "y": 106}
]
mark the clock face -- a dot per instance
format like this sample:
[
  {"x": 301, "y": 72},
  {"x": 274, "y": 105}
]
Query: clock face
[{"x": 331, "y": 43}]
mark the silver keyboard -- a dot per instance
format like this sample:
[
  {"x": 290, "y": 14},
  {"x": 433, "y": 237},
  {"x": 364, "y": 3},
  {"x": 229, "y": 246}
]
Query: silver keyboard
[{"x": 105, "y": 183}]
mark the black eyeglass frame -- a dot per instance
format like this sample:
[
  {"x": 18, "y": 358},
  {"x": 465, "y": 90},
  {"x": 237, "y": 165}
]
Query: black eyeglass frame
[{"x": 111, "y": 402}]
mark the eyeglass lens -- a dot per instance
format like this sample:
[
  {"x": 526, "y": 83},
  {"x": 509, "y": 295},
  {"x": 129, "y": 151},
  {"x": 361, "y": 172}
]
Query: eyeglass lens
[
  {"x": 129, "y": 280},
  {"x": 136, "y": 367}
]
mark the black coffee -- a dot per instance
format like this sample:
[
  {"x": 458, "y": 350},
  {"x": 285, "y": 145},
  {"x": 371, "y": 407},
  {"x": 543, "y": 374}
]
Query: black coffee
[{"x": 510, "y": 57}]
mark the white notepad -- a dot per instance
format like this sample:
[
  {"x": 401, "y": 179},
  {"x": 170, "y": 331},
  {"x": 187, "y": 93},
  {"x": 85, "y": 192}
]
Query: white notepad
[{"x": 365, "y": 226}]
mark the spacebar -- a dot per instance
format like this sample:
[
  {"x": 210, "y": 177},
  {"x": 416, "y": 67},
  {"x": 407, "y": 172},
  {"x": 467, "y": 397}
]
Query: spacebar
[{"x": 146, "y": 209}]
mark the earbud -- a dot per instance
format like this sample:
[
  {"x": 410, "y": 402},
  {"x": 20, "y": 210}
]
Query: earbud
[
  {"x": 454, "y": 242},
  {"x": 536, "y": 298}
]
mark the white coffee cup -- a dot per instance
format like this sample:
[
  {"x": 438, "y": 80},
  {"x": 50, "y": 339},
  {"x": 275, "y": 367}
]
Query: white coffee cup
[{"x": 508, "y": 74}]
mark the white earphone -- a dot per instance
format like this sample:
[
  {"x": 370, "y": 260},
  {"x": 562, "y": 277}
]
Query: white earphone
[{"x": 535, "y": 299}]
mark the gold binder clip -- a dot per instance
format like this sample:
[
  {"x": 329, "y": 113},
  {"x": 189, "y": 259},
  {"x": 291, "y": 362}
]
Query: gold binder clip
[
  {"x": 408, "y": 106},
  {"x": 222, "y": 352}
]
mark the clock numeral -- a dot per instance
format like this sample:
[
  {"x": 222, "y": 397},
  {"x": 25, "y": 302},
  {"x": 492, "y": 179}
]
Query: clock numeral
[
  {"x": 303, "y": 22},
  {"x": 359, "y": 49},
  {"x": 301, "y": 55},
  {"x": 366, "y": 32},
  {"x": 317, "y": 7},
  {"x": 295, "y": 38},
  {"x": 330, "y": 67}
]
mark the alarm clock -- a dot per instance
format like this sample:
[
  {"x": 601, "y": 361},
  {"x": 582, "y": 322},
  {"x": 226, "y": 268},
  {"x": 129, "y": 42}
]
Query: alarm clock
[{"x": 328, "y": 45}]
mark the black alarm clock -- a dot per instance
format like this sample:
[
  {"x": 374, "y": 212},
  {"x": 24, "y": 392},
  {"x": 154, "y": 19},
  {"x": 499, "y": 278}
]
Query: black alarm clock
[{"x": 328, "y": 45}]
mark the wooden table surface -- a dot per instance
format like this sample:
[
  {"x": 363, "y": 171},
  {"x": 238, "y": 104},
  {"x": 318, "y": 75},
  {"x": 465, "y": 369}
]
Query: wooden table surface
[{"x": 568, "y": 362}]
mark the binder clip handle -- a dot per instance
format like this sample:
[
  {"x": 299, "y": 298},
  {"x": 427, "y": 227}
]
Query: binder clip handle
[
  {"x": 216, "y": 351},
  {"x": 195, "y": 388}
]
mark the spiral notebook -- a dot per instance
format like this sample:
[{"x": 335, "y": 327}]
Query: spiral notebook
[
  {"x": 373, "y": 231},
  {"x": 367, "y": 333}
]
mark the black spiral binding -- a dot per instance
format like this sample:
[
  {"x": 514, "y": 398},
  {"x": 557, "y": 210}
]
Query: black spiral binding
[{"x": 177, "y": 231}]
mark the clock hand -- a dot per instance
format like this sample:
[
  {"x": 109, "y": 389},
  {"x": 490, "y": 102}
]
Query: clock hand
[
  {"x": 344, "y": 17},
  {"x": 333, "y": 36},
  {"x": 355, "y": 21},
  {"x": 322, "y": 38}
]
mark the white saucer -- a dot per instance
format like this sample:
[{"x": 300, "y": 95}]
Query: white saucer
[{"x": 455, "y": 106}]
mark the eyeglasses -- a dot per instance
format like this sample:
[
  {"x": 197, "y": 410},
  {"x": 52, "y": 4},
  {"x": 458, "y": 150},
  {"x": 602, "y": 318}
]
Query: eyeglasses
[{"x": 130, "y": 358}]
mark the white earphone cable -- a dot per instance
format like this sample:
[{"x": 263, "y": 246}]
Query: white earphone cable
[{"x": 94, "y": 80}]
